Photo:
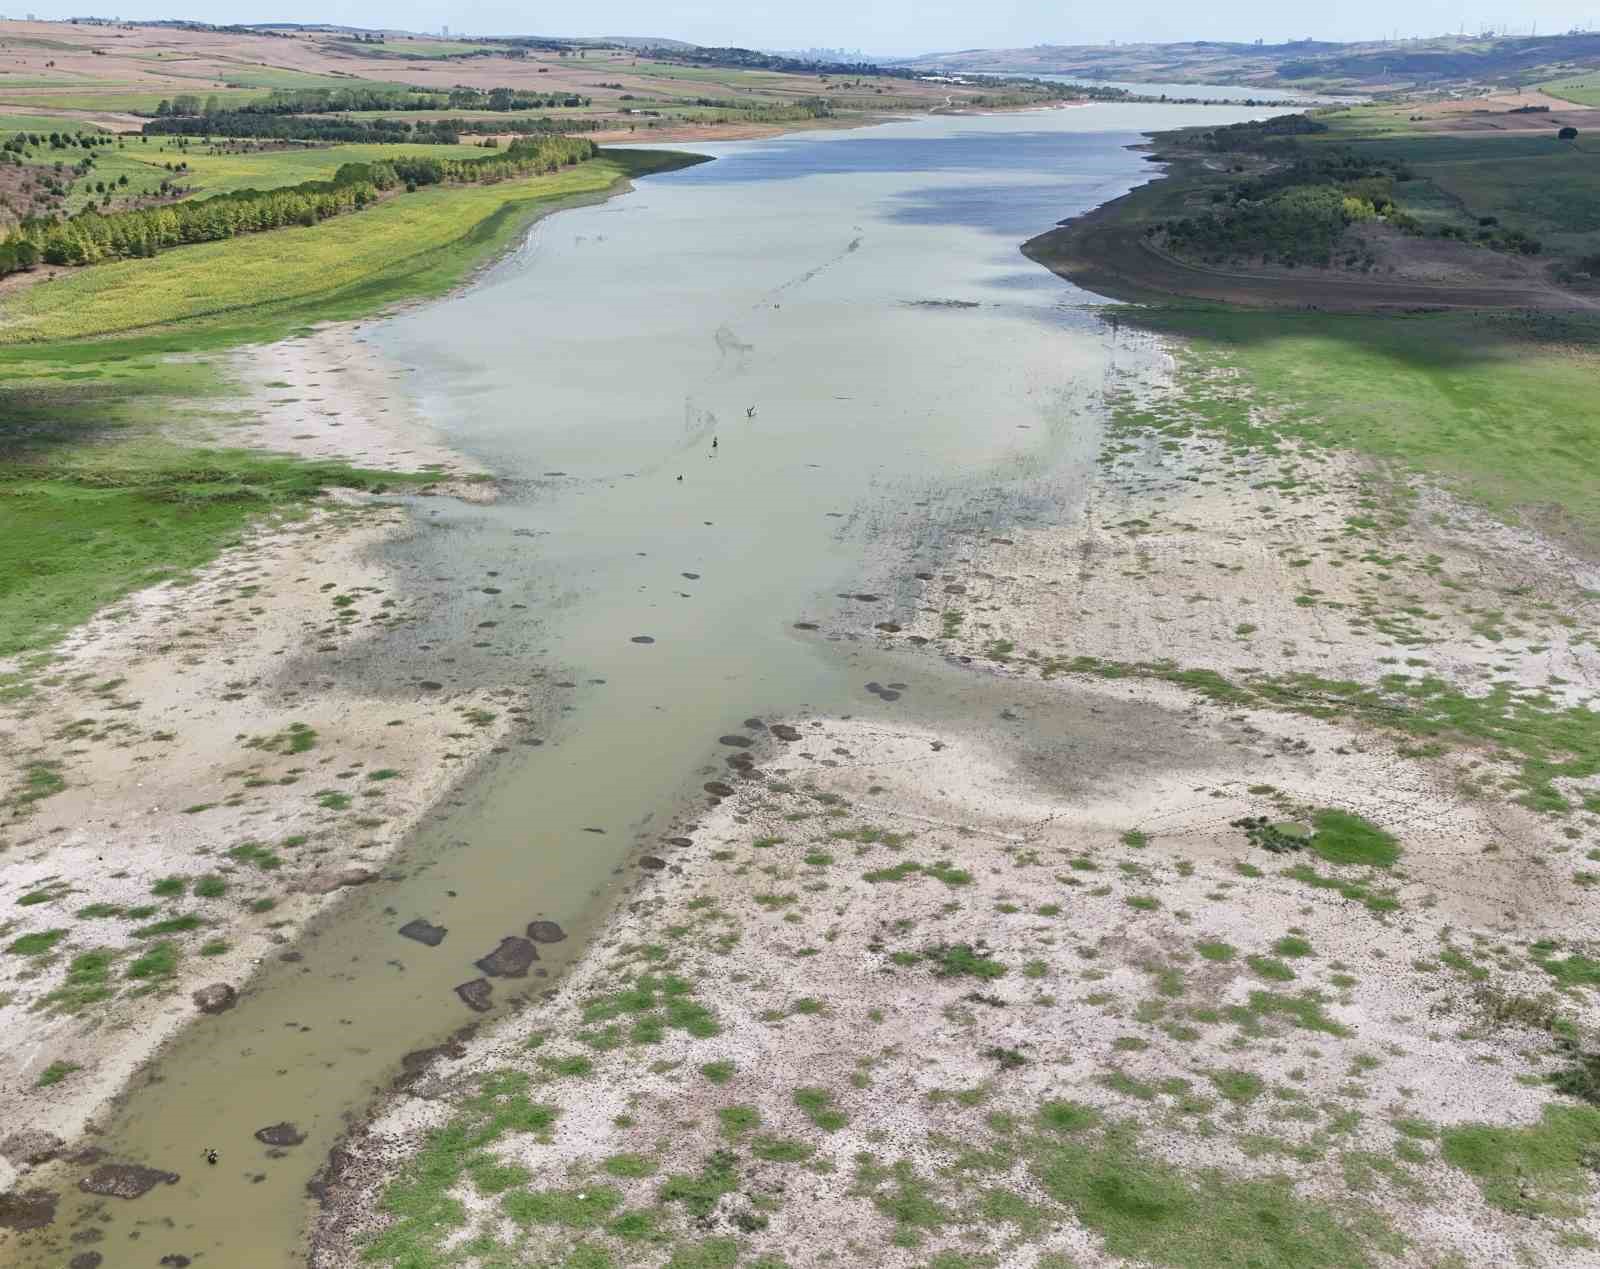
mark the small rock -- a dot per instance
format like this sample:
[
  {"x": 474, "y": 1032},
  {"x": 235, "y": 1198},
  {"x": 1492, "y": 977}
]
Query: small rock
[
  {"x": 735, "y": 742},
  {"x": 785, "y": 732},
  {"x": 422, "y": 932},
  {"x": 476, "y": 994},
  {"x": 27, "y": 1209},
  {"x": 805, "y": 625},
  {"x": 216, "y": 998},
  {"x": 125, "y": 1180},
  {"x": 545, "y": 932},
  {"x": 755, "y": 724},
  {"x": 678, "y": 841},
  {"x": 284, "y": 1134},
  {"x": 652, "y": 863},
  {"x": 328, "y": 882},
  {"x": 641, "y": 639},
  {"x": 510, "y": 960},
  {"x": 717, "y": 789}
]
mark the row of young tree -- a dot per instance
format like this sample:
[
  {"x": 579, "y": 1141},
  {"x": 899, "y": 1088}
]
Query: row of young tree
[
  {"x": 328, "y": 101},
  {"x": 342, "y": 128},
  {"x": 89, "y": 236},
  {"x": 18, "y": 142}
]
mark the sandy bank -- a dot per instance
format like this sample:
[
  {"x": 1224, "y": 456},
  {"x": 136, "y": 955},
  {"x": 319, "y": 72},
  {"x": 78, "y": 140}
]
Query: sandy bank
[{"x": 213, "y": 778}]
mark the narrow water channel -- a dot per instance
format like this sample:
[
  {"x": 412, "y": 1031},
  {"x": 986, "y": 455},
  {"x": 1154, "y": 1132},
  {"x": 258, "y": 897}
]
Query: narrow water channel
[{"x": 834, "y": 342}]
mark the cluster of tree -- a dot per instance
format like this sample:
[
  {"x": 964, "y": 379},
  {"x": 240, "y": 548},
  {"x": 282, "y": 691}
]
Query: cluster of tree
[
  {"x": 1490, "y": 233},
  {"x": 90, "y": 236},
  {"x": 341, "y": 128},
  {"x": 1260, "y": 136},
  {"x": 1298, "y": 225},
  {"x": 18, "y": 142},
  {"x": 758, "y": 112}
]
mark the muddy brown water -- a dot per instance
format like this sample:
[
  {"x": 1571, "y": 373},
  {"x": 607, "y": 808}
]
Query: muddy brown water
[{"x": 847, "y": 316}]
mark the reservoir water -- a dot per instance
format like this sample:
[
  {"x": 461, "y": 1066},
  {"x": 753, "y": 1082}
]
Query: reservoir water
[{"x": 832, "y": 339}]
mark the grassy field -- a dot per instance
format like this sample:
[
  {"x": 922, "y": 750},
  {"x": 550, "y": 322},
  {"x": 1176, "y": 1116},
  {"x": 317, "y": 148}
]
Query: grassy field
[
  {"x": 119, "y": 101},
  {"x": 223, "y": 173},
  {"x": 10, "y": 123},
  {"x": 409, "y": 244},
  {"x": 1549, "y": 188},
  {"x": 1583, "y": 89},
  {"x": 402, "y": 49},
  {"x": 1498, "y": 406},
  {"x": 96, "y": 506}
]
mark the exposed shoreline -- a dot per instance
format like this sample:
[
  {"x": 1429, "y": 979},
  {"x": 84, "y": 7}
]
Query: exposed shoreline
[
  {"x": 206, "y": 684},
  {"x": 805, "y": 914},
  {"x": 191, "y": 704}
]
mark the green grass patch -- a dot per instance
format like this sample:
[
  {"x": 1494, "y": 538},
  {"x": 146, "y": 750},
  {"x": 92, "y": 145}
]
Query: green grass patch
[
  {"x": 1542, "y": 1170},
  {"x": 35, "y": 944},
  {"x": 588, "y": 1208},
  {"x": 418, "y": 1201},
  {"x": 88, "y": 982},
  {"x": 1146, "y": 1210},
  {"x": 818, "y": 1106},
  {"x": 158, "y": 964},
  {"x": 1342, "y": 838},
  {"x": 55, "y": 1073}
]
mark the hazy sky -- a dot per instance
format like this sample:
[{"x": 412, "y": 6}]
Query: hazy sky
[{"x": 879, "y": 26}]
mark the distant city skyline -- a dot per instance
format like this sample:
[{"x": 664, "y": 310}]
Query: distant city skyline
[{"x": 886, "y": 28}]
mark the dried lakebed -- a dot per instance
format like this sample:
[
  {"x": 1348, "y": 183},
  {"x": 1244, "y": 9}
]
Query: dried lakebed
[{"x": 1223, "y": 956}]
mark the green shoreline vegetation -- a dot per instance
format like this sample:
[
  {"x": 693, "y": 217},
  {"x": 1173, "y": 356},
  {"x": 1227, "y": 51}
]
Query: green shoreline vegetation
[{"x": 90, "y": 385}]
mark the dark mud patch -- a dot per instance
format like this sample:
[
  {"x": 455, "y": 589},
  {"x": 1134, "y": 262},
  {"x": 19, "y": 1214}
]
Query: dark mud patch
[
  {"x": 125, "y": 1180},
  {"x": 510, "y": 960},
  {"x": 422, "y": 932},
  {"x": 284, "y": 1134},
  {"x": 477, "y": 995},
  {"x": 30, "y": 1209}
]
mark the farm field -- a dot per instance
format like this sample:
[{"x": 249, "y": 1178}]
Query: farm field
[
  {"x": 408, "y": 244},
  {"x": 222, "y": 173},
  {"x": 130, "y": 70},
  {"x": 1582, "y": 89}
]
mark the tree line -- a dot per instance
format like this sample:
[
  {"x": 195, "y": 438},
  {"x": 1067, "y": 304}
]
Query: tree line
[
  {"x": 327, "y": 101},
  {"x": 343, "y": 128},
  {"x": 90, "y": 237}
]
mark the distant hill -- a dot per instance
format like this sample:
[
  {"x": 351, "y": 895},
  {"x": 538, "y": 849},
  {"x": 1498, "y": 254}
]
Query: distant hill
[{"x": 1301, "y": 64}]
